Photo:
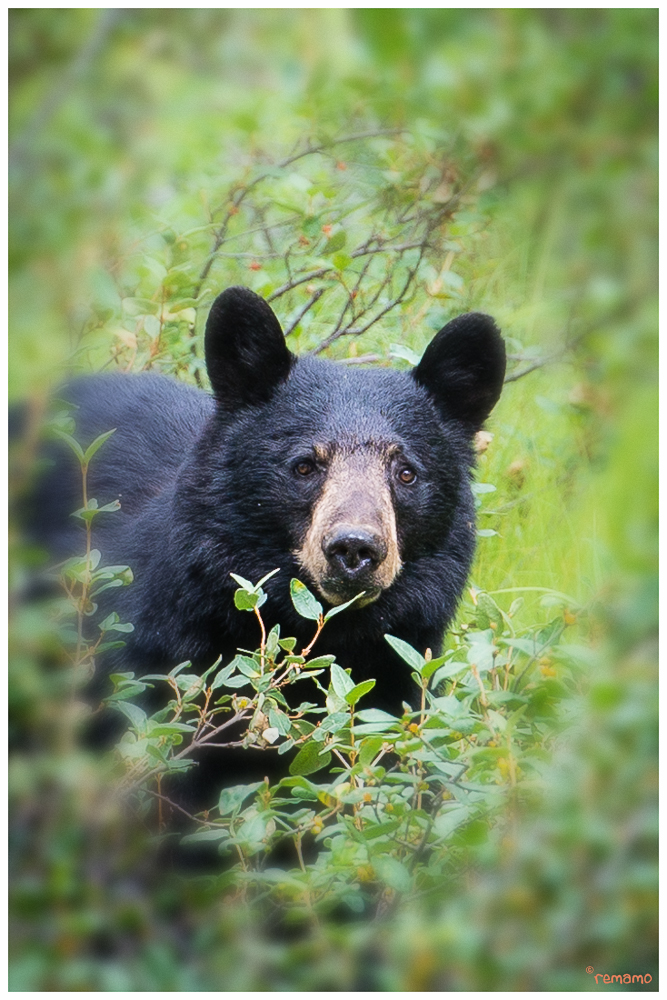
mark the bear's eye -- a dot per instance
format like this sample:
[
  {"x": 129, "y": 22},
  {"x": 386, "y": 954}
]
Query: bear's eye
[
  {"x": 407, "y": 475},
  {"x": 304, "y": 467}
]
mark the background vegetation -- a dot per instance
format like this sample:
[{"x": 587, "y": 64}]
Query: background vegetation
[{"x": 499, "y": 160}]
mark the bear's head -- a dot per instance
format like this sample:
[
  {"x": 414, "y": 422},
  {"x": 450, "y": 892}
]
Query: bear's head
[{"x": 358, "y": 472}]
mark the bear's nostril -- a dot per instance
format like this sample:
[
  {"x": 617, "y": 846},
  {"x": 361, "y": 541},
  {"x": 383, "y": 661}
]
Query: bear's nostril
[{"x": 354, "y": 551}]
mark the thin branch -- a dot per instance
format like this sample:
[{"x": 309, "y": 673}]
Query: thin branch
[
  {"x": 214, "y": 732},
  {"x": 569, "y": 344},
  {"x": 537, "y": 364},
  {"x": 317, "y": 294},
  {"x": 349, "y": 302},
  {"x": 174, "y": 805},
  {"x": 243, "y": 190},
  {"x": 348, "y": 332},
  {"x": 359, "y": 252},
  {"x": 324, "y": 146},
  {"x": 295, "y": 282},
  {"x": 363, "y": 359}
]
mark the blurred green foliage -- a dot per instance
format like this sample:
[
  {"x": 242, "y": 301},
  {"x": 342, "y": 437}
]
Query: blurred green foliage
[{"x": 133, "y": 135}]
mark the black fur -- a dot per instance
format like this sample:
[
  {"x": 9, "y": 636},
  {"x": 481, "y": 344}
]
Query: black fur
[{"x": 207, "y": 488}]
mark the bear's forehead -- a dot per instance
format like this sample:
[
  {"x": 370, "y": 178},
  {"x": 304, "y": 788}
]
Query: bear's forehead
[
  {"x": 330, "y": 393},
  {"x": 335, "y": 409}
]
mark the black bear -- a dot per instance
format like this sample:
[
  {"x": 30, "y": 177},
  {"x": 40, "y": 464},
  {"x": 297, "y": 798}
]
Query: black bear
[{"x": 350, "y": 480}]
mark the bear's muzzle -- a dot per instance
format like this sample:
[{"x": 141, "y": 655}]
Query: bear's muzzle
[{"x": 351, "y": 544}]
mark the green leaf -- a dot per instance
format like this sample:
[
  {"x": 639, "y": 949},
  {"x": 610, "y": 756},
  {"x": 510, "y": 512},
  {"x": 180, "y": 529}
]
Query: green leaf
[
  {"x": 137, "y": 306},
  {"x": 205, "y": 835},
  {"x": 120, "y": 678},
  {"x": 114, "y": 505},
  {"x": 222, "y": 676},
  {"x": 448, "y": 821},
  {"x": 404, "y": 353},
  {"x": 449, "y": 670},
  {"x": 71, "y": 442},
  {"x": 358, "y": 691},
  {"x": 87, "y": 513},
  {"x": 280, "y": 721},
  {"x": 308, "y": 760},
  {"x": 106, "y": 624},
  {"x": 179, "y": 666},
  {"x": 375, "y": 715},
  {"x": 94, "y": 558},
  {"x": 253, "y": 588},
  {"x": 272, "y": 640},
  {"x": 118, "y": 644},
  {"x": 304, "y": 602},
  {"x": 451, "y": 706},
  {"x": 96, "y": 445},
  {"x": 267, "y": 577},
  {"x": 407, "y": 653},
  {"x": 487, "y": 611},
  {"x": 480, "y": 652},
  {"x": 246, "y": 601},
  {"x": 238, "y": 681},
  {"x": 169, "y": 729},
  {"x": 370, "y": 748},
  {"x": 341, "y": 607},
  {"x": 335, "y": 242},
  {"x": 320, "y": 662},
  {"x": 341, "y": 261},
  {"x": 341, "y": 681},
  {"x": 113, "y": 623},
  {"x": 242, "y": 582},
  {"x": 334, "y": 722},
  {"x": 246, "y": 665},
  {"x": 301, "y": 783},
  {"x": 136, "y": 715},
  {"x": 311, "y": 225},
  {"x": 122, "y": 627},
  {"x": 132, "y": 689},
  {"x": 213, "y": 667},
  {"x": 231, "y": 799},
  {"x": 393, "y": 873},
  {"x": 189, "y": 684},
  {"x": 528, "y": 646},
  {"x": 431, "y": 666}
]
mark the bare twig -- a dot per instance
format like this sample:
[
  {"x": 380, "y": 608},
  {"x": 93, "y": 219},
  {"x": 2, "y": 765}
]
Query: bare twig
[
  {"x": 174, "y": 805},
  {"x": 359, "y": 252},
  {"x": 363, "y": 359},
  {"x": 317, "y": 294},
  {"x": 549, "y": 359},
  {"x": 239, "y": 717},
  {"x": 352, "y": 332},
  {"x": 239, "y": 192}
]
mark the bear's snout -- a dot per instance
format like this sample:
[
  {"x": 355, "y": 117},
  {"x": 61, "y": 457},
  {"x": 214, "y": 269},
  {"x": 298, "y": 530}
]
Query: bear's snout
[
  {"x": 351, "y": 544},
  {"x": 353, "y": 551}
]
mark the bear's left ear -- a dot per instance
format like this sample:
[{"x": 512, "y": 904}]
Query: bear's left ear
[
  {"x": 246, "y": 353},
  {"x": 463, "y": 368}
]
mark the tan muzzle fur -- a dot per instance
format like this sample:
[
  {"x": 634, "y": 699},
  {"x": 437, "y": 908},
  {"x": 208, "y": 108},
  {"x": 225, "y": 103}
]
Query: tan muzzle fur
[{"x": 356, "y": 499}]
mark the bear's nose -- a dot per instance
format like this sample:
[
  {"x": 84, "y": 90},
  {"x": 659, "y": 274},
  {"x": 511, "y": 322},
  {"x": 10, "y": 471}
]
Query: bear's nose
[{"x": 354, "y": 551}]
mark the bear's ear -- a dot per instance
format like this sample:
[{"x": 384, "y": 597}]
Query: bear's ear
[
  {"x": 246, "y": 353},
  {"x": 463, "y": 368}
]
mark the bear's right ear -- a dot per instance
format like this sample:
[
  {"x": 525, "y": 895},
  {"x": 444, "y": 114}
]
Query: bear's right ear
[
  {"x": 246, "y": 353},
  {"x": 463, "y": 369}
]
